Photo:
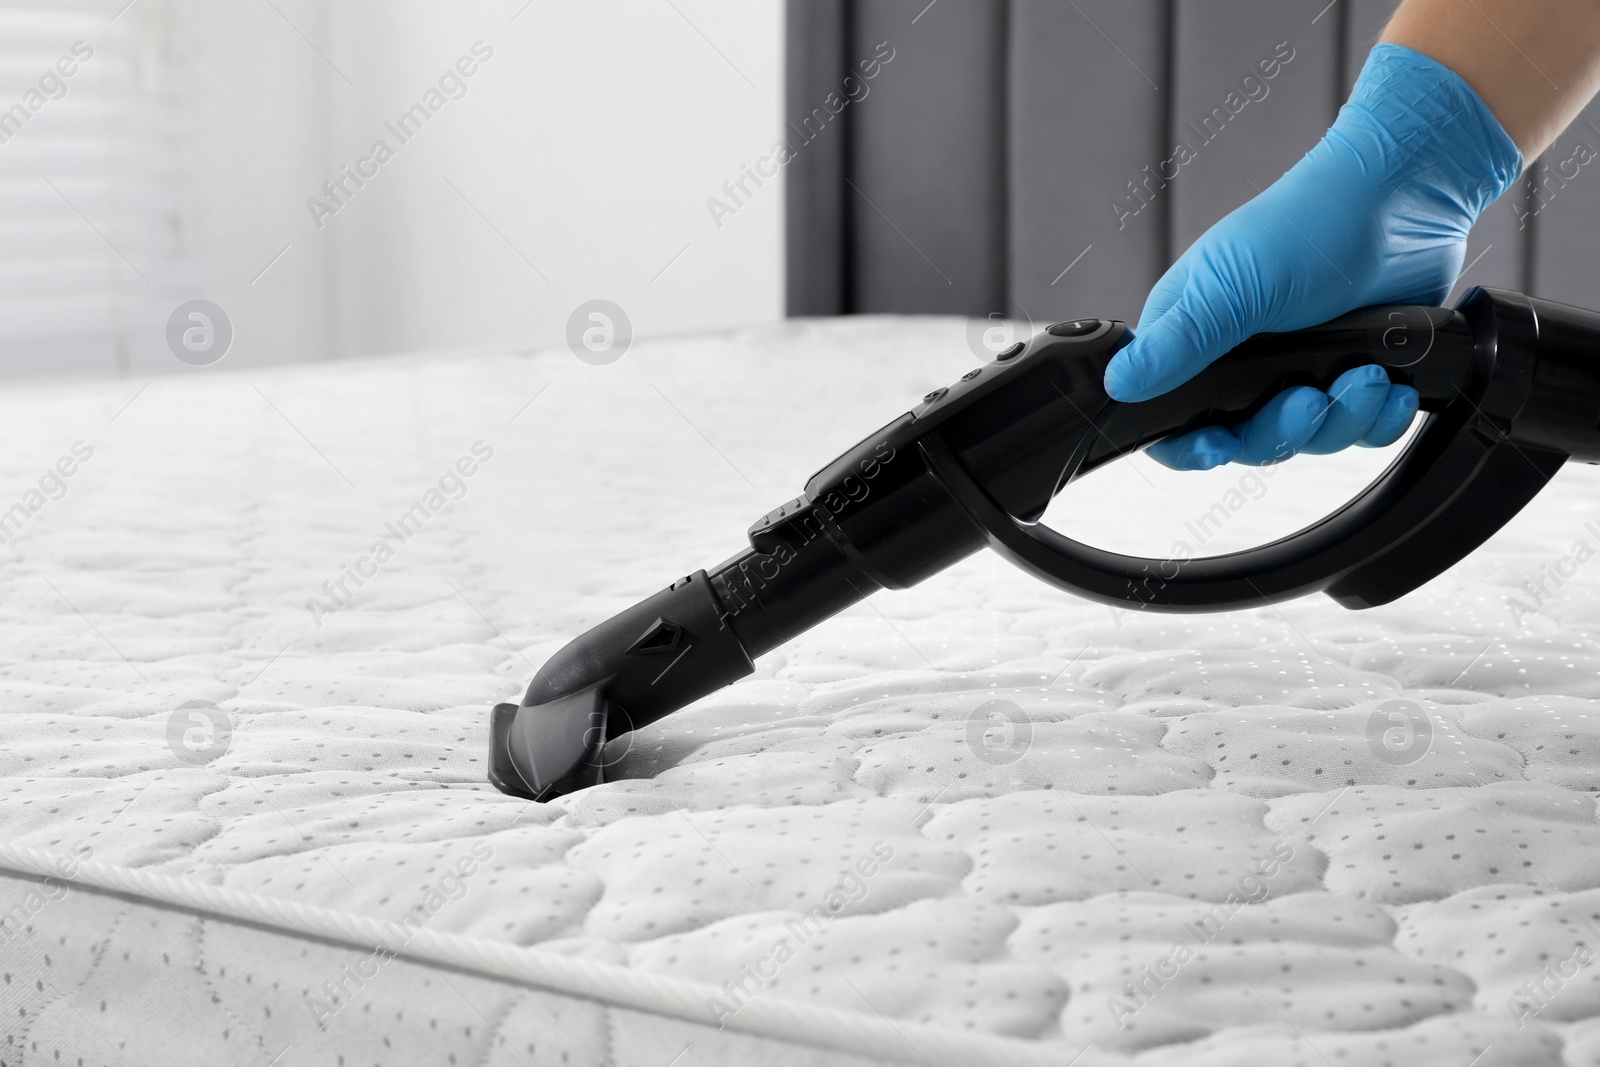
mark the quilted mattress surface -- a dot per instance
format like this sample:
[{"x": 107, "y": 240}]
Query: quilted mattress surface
[{"x": 251, "y": 639}]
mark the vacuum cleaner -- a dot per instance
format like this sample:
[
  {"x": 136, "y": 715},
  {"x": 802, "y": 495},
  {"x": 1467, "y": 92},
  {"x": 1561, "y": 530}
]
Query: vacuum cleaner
[{"x": 1510, "y": 386}]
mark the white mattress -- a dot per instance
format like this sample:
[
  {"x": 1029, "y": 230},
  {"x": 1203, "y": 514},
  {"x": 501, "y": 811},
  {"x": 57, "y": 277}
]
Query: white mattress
[{"x": 1167, "y": 757}]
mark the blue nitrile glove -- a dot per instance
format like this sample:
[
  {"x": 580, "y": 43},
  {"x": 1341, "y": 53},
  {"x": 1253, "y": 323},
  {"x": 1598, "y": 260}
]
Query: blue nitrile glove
[{"x": 1377, "y": 212}]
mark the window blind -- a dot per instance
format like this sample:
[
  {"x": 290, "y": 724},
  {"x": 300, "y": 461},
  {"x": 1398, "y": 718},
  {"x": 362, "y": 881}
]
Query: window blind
[{"x": 90, "y": 257}]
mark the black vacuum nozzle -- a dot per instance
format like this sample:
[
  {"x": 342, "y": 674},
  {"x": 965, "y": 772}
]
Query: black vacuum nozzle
[
  {"x": 1512, "y": 390},
  {"x": 635, "y": 667}
]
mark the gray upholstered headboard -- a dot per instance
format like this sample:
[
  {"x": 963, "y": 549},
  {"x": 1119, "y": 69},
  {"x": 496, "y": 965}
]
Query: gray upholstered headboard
[{"x": 970, "y": 156}]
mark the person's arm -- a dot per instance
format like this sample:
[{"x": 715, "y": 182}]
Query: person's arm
[
  {"x": 1536, "y": 63},
  {"x": 1454, "y": 98}
]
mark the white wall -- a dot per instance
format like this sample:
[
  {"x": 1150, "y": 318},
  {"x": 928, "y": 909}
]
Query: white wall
[
  {"x": 586, "y": 146},
  {"x": 590, "y": 141},
  {"x": 253, "y": 101}
]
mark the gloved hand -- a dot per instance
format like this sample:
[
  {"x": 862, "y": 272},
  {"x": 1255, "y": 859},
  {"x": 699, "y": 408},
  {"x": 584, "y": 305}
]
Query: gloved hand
[{"x": 1377, "y": 212}]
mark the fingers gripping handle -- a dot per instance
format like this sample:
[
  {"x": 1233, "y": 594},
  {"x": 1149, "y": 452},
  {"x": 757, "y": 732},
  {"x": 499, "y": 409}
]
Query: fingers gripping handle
[{"x": 1458, "y": 481}]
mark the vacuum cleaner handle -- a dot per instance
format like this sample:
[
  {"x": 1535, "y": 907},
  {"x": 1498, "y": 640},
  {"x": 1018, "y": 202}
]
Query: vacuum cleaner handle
[
  {"x": 1480, "y": 456},
  {"x": 1474, "y": 464}
]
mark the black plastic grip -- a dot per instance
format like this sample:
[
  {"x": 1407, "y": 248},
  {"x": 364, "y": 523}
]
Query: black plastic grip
[
  {"x": 1458, "y": 481},
  {"x": 1023, "y": 444}
]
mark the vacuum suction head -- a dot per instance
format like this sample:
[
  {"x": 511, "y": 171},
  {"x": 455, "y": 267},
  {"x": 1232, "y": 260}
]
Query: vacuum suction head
[
  {"x": 660, "y": 654},
  {"x": 1511, "y": 386},
  {"x": 553, "y": 748}
]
